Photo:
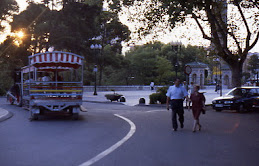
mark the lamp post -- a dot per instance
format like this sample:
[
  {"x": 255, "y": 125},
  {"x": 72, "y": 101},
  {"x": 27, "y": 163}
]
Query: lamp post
[
  {"x": 257, "y": 69},
  {"x": 257, "y": 77},
  {"x": 217, "y": 60},
  {"x": 176, "y": 47},
  {"x": 96, "y": 48},
  {"x": 95, "y": 73},
  {"x": 176, "y": 68}
]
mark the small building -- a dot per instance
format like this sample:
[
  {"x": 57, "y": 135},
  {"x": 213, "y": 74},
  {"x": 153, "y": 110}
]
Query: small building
[
  {"x": 200, "y": 71},
  {"x": 226, "y": 76}
]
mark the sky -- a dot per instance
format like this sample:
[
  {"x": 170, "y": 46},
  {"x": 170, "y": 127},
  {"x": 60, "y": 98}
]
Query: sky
[{"x": 185, "y": 34}]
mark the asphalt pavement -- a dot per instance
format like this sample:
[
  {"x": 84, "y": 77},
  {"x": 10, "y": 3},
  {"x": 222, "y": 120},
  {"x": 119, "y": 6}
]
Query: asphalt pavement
[
  {"x": 225, "y": 138},
  {"x": 4, "y": 114},
  {"x": 132, "y": 98}
]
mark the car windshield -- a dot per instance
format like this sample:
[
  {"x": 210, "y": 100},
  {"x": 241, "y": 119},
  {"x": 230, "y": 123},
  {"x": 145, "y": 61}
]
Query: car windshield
[{"x": 243, "y": 92}]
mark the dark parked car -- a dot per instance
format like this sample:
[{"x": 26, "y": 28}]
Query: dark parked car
[{"x": 240, "y": 99}]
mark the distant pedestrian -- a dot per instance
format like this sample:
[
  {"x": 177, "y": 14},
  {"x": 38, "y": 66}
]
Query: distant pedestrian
[
  {"x": 175, "y": 95},
  {"x": 185, "y": 85},
  {"x": 217, "y": 88},
  {"x": 191, "y": 87},
  {"x": 152, "y": 85},
  {"x": 198, "y": 106}
]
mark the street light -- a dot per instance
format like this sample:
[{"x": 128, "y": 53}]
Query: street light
[
  {"x": 176, "y": 47},
  {"x": 96, "y": 48},
  {"x": 217, "y": 60},
  {"x": 176, "y": 67},
  {"x": 257, "y": 69},
  {"x": 95, "y": 73}
]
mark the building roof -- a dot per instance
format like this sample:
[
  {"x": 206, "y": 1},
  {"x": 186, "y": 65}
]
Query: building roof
[
  {"x": 225, "y": 67},
  {"x": 197, "y": 65}
]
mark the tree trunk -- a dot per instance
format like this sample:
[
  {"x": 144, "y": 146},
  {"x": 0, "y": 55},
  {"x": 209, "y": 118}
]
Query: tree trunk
[{"x": 237, "y": 70}]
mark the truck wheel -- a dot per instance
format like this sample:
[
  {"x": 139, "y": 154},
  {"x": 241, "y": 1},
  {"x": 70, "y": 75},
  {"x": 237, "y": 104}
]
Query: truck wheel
[
  {"x": 42, "y": 111},
  {"x": 241, "y": 108},
  {"x": 34, "y": 116}
]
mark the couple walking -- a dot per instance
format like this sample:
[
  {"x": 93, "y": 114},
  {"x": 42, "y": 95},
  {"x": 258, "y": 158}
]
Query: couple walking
[{"x": 175, "y": 96}]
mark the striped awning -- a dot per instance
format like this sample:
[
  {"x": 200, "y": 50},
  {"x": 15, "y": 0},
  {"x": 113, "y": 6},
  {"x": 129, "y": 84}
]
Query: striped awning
[{"x": 56, "y": 59}]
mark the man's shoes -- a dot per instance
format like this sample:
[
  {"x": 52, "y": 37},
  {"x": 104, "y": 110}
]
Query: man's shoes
[
  {"x": 199, "y": 127},
  {"x": 174, "y": 129},
  {"x": 182, "y": 125}
]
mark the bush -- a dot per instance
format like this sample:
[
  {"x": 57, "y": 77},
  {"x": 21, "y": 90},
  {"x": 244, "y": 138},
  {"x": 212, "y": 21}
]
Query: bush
[
  {"x": 153, "y": 98},
  {"x": 5, "y": 84},
  {"x": 159, "y": 96}
]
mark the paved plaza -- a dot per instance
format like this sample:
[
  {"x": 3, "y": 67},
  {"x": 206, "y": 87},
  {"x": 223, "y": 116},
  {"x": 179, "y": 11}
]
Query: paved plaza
[{"x": 132, "y": 97}]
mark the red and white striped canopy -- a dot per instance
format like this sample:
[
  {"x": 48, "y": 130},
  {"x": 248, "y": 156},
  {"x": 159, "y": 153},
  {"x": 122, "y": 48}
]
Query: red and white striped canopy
[{"x": 56, "y": 59}]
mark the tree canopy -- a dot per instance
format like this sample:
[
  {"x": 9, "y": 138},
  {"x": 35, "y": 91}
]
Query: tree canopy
[
  {"x": 7, "y": 9},
  {"x": 232, "y": 33},
  {"x": 72, "y": 28},
  {"x": 253, "y": 64}
]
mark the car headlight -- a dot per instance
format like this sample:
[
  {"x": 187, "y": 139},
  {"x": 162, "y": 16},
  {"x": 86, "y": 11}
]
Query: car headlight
[
  {"x": 214, "y": 102},
  {"x": 228, "y": 102}
]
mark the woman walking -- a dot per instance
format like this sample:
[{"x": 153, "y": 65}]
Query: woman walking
[{"x": 198, "y": 105}]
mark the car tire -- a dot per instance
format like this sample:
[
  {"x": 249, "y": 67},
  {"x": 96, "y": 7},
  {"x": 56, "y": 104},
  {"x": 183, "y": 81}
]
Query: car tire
[{"x": 241, "y": 108}]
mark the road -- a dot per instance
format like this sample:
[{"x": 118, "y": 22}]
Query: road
[{"x": 227, "y": 138}]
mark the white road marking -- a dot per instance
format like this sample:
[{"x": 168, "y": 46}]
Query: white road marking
[
  {"x": 115, "y": 146},
  {"x": 155, "y": 111}
]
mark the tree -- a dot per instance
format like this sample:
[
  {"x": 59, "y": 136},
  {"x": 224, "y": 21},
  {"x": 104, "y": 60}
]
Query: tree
[
  {"x": 156, "y": 61},
  {"x": 253, "y": 64},
  {"x": 228, "y": 39},
  {"x": 12, "y": 58},
  {"x": 143, "y": 64},
  {"x": 110, "y": 32},
  {"x": 164, "y": 72},
  {"x": 73, "y": 28},
  {"x": 7, "y": 9},
  {"x": 33, "y": 23}
]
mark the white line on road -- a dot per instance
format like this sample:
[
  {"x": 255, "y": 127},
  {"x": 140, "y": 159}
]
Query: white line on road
[
  {"x": 115, "y": 146},
  {"x": 155, "y": 111}
]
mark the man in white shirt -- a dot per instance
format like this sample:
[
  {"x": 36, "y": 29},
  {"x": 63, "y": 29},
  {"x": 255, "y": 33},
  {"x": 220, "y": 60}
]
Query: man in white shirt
[{"x": 175, "y": 95}]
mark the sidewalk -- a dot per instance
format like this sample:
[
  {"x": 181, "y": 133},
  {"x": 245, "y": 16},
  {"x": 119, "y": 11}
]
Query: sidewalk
[
  {"x": 132, "y": 97},
  {"x": 4, "y": 114}
]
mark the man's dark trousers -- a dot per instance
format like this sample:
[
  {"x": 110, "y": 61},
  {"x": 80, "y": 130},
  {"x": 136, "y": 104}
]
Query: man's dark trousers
[{"x": 177, "y": 108}]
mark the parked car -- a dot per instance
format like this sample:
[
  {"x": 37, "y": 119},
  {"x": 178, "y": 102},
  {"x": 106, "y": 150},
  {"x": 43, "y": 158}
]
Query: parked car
[{"x": 240, "y": 99}]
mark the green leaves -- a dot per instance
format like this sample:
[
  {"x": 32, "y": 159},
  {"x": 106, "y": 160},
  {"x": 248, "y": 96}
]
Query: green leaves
[
  {"x": 253, "y": 63},
  {"x": 7, "y": 9}
]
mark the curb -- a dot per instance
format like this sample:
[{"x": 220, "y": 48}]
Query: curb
[
  {"x": 120, "y": 103},
  {"x": 161, "y": 105},
  {"x": 104, "y": 102},
  {"x": 6, "y": 115}
]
